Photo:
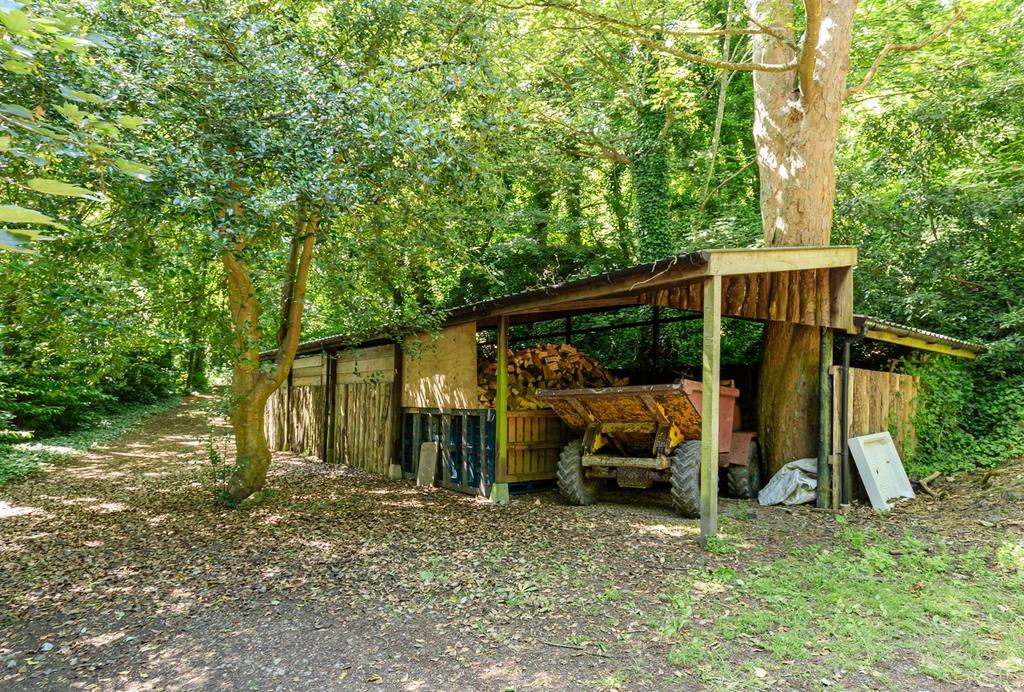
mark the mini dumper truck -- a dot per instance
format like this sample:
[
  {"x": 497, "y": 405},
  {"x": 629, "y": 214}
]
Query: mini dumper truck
[{"x": 642, "y": 435}]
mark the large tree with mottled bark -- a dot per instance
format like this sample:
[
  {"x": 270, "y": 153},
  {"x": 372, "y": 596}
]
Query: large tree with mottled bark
[{"x": 800, "y": 61}]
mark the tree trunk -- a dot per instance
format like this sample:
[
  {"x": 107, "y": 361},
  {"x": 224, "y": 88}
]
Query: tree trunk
[
  {"x": 574, "y": 207},
  {"x": 251, "y": 386},
  {"x": 195, "y": 377},
  {"x": 648, "y": 160},
  {"x": 542, "y": 198},
  {"x": 796, "y": 122},
  {"x": 252, "y": 454},
  {"x": 619, "y": 207}
]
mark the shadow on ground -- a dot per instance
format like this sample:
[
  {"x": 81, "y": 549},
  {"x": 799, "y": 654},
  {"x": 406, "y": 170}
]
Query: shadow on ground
[{"x": 118, "y": 571}]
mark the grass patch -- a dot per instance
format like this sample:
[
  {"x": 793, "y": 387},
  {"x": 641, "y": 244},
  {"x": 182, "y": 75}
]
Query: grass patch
[
  {"x": 23, "y": 459},
  {"x": 870, "y": 606}
]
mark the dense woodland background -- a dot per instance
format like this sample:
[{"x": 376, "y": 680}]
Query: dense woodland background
[{"x": 479, "y": 150}]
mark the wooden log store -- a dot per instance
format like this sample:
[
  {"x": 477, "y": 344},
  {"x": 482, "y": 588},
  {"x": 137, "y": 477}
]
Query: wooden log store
[{"x": 372, "y": 403}]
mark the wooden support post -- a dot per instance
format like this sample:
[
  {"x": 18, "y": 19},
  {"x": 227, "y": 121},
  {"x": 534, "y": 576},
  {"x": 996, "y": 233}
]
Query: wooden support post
[
  {"x": 395, "y": 469},
  {"x": 710, "y": 408},
  {"x": 841, "y": 293},
  {"x": 824, "y": 496},
  {"x": 330, "y": 390},
  {"x": 655, "y": 336},
  {"x": 499, "y": 491},
  {"x": 846, "y": 477}
]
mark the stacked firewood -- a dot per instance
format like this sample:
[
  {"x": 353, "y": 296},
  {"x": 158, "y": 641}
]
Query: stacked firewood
[{"x": 543, "y": 367}]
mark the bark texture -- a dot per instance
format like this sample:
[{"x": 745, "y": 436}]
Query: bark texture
[
  {"x": 251, "y": 386},
  {"x": 796, "y": 122}
]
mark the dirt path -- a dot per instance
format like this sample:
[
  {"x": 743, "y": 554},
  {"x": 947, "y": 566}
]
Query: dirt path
[{"x": 118, "y": 571}]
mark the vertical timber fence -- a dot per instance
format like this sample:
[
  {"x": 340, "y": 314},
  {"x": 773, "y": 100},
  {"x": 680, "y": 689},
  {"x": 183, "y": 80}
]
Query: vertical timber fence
[
  {"x": 877, "y": 401},
  {"x": 358, "y": 407},
  {"x": 337, "y": 407}
]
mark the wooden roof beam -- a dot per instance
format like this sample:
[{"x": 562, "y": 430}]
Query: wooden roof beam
[{"x": 783, "y": 259}]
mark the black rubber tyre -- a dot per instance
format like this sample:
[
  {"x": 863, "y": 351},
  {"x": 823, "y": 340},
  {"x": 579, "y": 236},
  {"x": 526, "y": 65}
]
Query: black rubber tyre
[
  {"x": 686, "y": 479},
  {"x": 572, "y": 485},
  {"x": 744, "y": 482}
]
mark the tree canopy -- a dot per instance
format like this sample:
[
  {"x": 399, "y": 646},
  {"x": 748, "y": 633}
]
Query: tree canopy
[{"x": 217, "y": 178}]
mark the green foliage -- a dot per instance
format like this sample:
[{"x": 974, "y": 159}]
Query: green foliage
[
  {"x": 22, "y": 459},
  {"x": 853, "y": 607},
  {"x": 930, "y": 190},
  {"x": 964, "y": 419},
  {"x": 45, "y": 136},
  {"x": 79, "y": 338},
  {"x": 650, "y": 163}
]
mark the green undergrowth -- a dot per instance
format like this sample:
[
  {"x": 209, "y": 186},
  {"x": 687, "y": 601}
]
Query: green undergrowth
[
  {"x": 967, "y": 417},
  {"x": 868, "y": 611},
  {"x": 23, "y": 459}
]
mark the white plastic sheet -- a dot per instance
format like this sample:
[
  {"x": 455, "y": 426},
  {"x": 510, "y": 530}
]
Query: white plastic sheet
[{"x": 794, "y": 484}]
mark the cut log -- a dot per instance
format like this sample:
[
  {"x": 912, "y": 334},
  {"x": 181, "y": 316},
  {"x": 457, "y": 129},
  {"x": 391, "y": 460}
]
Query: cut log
[{"x": 543, "y": 367}]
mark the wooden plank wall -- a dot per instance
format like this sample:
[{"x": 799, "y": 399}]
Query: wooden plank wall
[
  {"x": 309, "y": 371},
  {"x": 363, "y": 408},
  {"x": 306, "y": 429},
  {"x": 306, "y": 406},
  {"x": 535, "y": 439},
  {"x": 878, "y": 401},
  {"x": 804, "y": 297},
  {"x": 362, "y": 420},
  {"x": 439, "y": 371},
  {"x": 277, "y": 419}
]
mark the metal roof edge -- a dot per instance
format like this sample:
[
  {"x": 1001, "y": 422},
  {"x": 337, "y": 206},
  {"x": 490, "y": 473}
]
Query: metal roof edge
[{"x": 868, "y": 322}]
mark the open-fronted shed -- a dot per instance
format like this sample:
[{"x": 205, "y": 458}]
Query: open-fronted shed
[
  {"x": 379, "y": 398},
  {"x": 812, "y": 286}
]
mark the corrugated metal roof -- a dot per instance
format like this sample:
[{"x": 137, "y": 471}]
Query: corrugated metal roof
[
  {"x": 902, "y": 330},
  {"x": 641, "y": 272},
  {"x": 466, "y": 313}
]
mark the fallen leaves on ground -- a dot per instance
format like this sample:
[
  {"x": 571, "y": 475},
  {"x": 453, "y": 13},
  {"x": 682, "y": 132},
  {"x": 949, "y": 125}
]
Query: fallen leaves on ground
[{"x": 119, "y": 571}]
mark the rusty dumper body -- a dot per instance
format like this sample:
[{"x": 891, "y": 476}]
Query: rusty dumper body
[{"x": 642, "y": 435}]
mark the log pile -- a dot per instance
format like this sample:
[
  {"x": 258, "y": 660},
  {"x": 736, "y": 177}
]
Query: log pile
[{"x": 543, "y": 367}]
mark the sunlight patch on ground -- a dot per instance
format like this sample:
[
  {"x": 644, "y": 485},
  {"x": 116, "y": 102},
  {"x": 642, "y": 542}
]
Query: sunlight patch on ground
[
  {"x": 392, "y": 491},
  {"x": 405, "y": 504},
  {"x": 156, "y": 474},
  {"x": 274, "y": 519},
  {"x": 129, "y": 455},
  {"x": 543, "y": 680},
  {"x": 496, "y": 672},
  {"x": 110, "y": 507},
  {"x": 675, "y": 530},
  {"x": 8, "y": 510},
  {"x": 321, "y": 545},
  {"x": 105, "y": 639},
  {"x": 48, "y": 449},
  {"x": 70, "y": 501},
  {"x": 98, "y": 472}
]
